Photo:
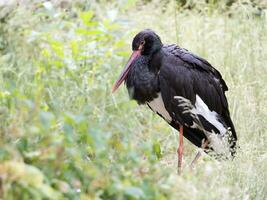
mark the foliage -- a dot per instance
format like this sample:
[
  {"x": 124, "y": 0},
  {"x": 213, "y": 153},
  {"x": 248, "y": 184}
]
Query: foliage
[{"x": 63, "y": 135}]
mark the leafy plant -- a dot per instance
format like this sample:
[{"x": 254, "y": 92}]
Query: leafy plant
[{"x": 63, "y": 135}]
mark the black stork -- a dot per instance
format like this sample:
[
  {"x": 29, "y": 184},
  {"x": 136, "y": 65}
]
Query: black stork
[{"x": 182, "y": 88}]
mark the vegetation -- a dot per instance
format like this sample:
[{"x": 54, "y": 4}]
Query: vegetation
[{"x": 63, "y": 135}]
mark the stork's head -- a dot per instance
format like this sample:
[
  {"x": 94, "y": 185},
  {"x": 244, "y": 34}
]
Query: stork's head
[{"x": 145, "y": 43}]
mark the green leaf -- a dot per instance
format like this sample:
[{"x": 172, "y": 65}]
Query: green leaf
[
  {"x": 86, "y": 32},
  {"x": 134, "y": 192},
  {"x": 157, "y": 149},
  {"x": 46, "y": 119},
  {"x": 86, "y": 17}
]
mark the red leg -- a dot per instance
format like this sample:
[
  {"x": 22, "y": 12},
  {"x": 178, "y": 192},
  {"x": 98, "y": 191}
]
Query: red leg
[
  {"x": 180, "y": 150},
  {"x": 195, "y": 160},
  {"x": 203, "y": 146}
]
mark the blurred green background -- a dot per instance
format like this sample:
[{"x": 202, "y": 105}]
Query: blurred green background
[{"x": 63, "y": 135}]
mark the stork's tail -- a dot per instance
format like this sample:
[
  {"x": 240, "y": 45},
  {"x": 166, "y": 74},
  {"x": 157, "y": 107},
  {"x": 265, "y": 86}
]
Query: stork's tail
[{"x": 232, "y": 137}]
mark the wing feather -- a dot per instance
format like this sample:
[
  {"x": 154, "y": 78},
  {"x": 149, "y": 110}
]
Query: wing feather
[{"x": 187, "y": 75}]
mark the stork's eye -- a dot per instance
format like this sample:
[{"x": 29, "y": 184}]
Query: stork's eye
[
  {"x": 142, "y": 42},
  {"x": 141, "y": 45}
]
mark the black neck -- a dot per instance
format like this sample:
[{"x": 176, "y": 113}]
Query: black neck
[{"x": 142, "y": 80}]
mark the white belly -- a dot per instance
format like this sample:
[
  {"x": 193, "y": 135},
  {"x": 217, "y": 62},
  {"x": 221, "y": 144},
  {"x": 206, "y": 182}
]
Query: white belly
[{"x": 157, "y": 105}]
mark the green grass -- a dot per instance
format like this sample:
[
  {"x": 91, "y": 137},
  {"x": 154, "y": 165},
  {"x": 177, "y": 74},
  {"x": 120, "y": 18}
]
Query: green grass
[{"x": 63, "y": 135}]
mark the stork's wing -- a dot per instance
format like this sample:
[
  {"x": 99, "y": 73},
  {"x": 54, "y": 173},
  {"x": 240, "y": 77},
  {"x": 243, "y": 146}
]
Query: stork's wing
[
  {"x": 193, "y": 61},
  {"x": 190, "y": 83}
]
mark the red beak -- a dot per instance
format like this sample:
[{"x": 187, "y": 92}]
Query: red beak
[{"x": 126, "y": 69}]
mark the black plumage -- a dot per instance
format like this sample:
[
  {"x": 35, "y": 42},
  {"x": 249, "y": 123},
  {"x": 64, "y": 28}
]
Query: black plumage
[
  {"x": 192, "y": 90},
  {"x": 185, "y": 74},
  {"x": 142, "y": 83}
]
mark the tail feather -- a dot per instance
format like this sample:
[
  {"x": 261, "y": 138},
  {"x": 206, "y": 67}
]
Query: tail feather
[{"x": 232, "y": 133}]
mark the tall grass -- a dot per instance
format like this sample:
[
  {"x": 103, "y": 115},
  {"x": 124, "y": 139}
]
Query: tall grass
[{"x": 64, "y": 135}]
